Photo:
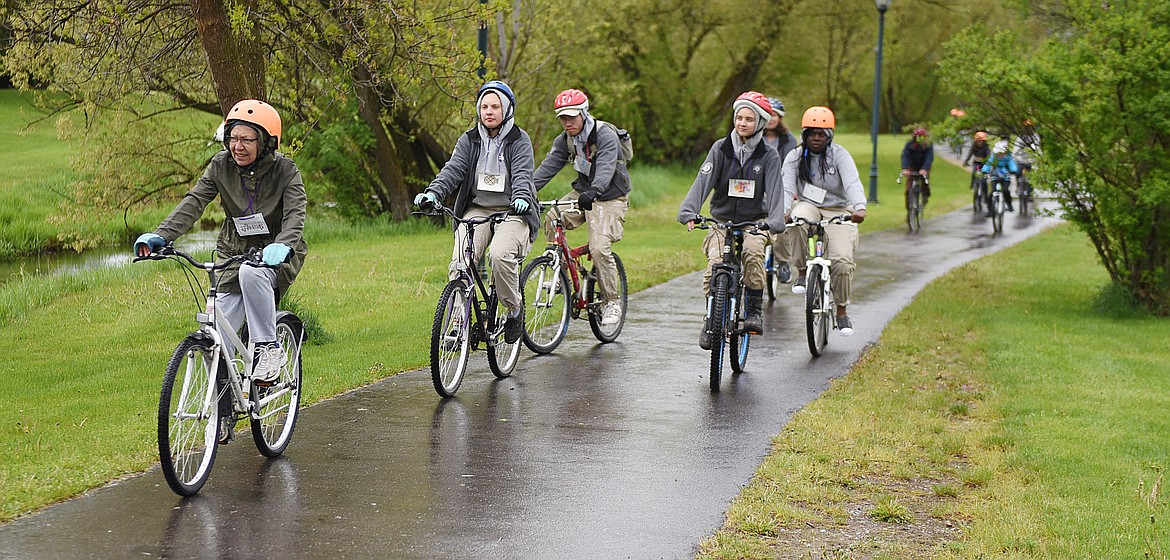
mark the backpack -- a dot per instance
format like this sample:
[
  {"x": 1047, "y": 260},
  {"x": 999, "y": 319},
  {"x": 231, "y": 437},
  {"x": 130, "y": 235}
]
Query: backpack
[{"x": 624, "y": 140}]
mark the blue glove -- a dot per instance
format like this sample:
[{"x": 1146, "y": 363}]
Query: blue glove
[
  {"x": 276, "y": 253},
  {"x": 520, "y": 205},
  {"x": 425, "y": 200},
  {"x": 585, "y": 201},
  {"x": 150, "y": 240}
]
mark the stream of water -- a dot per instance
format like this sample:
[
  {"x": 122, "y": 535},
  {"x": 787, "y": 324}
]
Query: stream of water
[{"x": 93, "y": 259}]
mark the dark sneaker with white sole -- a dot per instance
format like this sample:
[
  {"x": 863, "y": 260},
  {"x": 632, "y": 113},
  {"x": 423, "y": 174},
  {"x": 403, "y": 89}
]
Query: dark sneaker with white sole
[{"x": 844, "y": 326}]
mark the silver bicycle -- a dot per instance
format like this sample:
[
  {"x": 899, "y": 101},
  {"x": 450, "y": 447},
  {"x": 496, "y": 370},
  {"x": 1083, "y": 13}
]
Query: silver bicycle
[{"x": 205, "y": 391}]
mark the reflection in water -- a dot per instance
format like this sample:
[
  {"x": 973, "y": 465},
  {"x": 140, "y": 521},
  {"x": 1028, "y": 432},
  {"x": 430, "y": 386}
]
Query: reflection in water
[
  {"x": 261, "y": 522},
  {"x": 94, "y": 259}
]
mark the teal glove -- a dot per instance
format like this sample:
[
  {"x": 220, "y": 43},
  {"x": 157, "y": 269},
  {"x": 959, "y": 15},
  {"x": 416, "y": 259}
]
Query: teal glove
[
  {"x": 425, "y": 199},
  {"x": 150, "y": 240},
  {"x": 520, "y": 205},
  {"x": 276, "y": 253}
]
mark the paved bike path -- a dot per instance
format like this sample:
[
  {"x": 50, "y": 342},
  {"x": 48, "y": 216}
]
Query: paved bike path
[{"x": 596, "y": 451}]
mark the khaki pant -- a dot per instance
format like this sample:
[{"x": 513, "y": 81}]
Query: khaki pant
[
  {"x": 509, "y": 245},
  {"x": 754, "y": 246},
  {"x": 606, "y": 223},
  {"x": 841, "y": 241},
  {"x": 782, "y": 246}
]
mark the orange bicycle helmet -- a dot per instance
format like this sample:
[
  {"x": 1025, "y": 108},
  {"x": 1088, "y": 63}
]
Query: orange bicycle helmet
[
  {"x": 981, "y": 135},
  {"x": 257, "y": 113},
  {"x": 819, "y": 117}
]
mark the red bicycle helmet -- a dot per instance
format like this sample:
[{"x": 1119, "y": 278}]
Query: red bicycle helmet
[
  {"x": 570, "y": 103},
  {"x": 919, "y": 132},
  {"x": 757, "y": 99}
]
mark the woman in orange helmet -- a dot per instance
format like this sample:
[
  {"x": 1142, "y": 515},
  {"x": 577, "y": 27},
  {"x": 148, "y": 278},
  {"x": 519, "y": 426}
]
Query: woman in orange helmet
[
  {"x": 823, "y": 178},
  {"x": 263, "y": 197}
]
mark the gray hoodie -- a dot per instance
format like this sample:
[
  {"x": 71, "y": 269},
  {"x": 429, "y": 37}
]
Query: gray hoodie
[{"x": 841, "y": 183}]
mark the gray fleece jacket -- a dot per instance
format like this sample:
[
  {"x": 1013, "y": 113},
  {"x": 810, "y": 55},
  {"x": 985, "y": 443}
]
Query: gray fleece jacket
[
  {"x": 608, "y": 177},
  {"x": 840, "y": 181}
]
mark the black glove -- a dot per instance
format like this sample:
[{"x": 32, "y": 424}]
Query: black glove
[{"x": 585, "y": 201}]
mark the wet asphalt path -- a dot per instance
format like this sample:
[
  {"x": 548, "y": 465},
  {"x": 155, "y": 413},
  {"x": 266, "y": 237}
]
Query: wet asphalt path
[{"x": 615, "y": 451}]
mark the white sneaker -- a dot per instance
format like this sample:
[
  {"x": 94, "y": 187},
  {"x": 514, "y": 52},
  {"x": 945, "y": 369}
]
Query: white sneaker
[
  {"x": 612, "y": 314},
  {"x": 269, "y": 359}
]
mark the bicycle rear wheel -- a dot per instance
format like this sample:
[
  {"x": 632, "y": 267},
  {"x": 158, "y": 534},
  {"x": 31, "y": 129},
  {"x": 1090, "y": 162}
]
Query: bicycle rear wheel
[
  {"x": 603, "y": 332},
  {"x": 546, "y": 305},
  {"x": 739, "y": 339},
  {"x": 816, "y": 312},
  {"x": 275, "y": 408},
  {"x": 719, "y": 290},
  {"x": 188, "y": 416},
  {"x": 502, "y": 355},
  {"x": 451, "y": 338}
]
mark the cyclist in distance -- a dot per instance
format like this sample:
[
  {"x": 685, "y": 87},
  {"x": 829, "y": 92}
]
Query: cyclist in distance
[
  {"x": 490, "y": 171},
  {"x": 823, "y": 178},
  {"x": 917, "y": 157},
  {"x": 777, "y": 135},
  {"x": 1000, "y": 163},
  {"x": 742, "y": 176},
  {"x": 594, "y": 150},
  {"x": 263, "y": 197},
  {"x": 979, "y": 151}
]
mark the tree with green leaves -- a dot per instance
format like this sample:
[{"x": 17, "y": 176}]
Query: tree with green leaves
[{"x": 1096, "y": 89}]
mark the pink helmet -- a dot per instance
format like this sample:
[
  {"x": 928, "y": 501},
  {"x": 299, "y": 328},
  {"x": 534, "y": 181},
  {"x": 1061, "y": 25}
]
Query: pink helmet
[{"x": 570, "y": 103}]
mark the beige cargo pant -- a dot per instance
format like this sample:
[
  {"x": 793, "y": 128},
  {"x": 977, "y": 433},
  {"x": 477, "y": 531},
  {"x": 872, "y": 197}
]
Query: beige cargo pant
[
  {"x": 754, "y": 248},
  {"x": 509, "y": 244},
  {"x": 606, "y": 224},
  {"x": 841, "y": 242}
]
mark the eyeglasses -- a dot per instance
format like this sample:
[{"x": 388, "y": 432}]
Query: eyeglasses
[{"x": 244, "y": 141}]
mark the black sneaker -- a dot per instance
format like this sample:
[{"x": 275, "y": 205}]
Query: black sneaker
[
  {"x": 705, "y": 338},
  {"x": 227, "y": 430},
  {"x": 513, "y": 328},
  {"x": 784, "y": 273},
  {"x": 1010, "y": 209},
  {"x": 844, "y": 326}
]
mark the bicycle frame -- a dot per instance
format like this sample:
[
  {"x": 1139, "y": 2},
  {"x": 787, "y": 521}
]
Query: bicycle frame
[
  {"x": 564, "y": 255},
  {"x": 481, "y": 294}
]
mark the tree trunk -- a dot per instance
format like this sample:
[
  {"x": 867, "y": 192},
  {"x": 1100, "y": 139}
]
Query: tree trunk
[{"x": 236, "y": 60}]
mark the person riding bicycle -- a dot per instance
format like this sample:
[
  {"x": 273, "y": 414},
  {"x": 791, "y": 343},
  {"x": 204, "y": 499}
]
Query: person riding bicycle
[
  {"x": 917, "y": 157},
  {"x": 979, "y": 151},
  {"x": 742, "y": 176},
  {"x": 777, "y": 135},
  {"x": 1026, "y": 149},
  {"x": 1001, "y": 167},
  {"x": 263, "y": 197},
  {"x": 490, "y": 171},
  {"x": 824, "y": 179},
  {"x": 601, "y": 188}
]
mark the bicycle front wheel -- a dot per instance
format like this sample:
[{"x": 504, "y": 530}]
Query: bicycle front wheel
[
  {"x": 1025, "y": 196},
  {"x": 275, "y": 408},
  {"x": 816, "y": 310},
  {"x": 188, "y": 417},
  {"x": 604, "y": 332},
  {"x": 976, "y": 188},
  {"x": 997, "y": 216},
  {"x": 546, "y": 305},
  {"x": 451, "y": 338},
  {"x": 720, "y": 286},
  {"x": 912, "y": 209},
  {"x": 502, "y": 355}
]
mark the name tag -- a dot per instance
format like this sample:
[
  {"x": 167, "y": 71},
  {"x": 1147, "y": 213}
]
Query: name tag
[
  {"x": 814, "y": 193},
  {"x": 741, "y": 188},
  {"x": 491, "y": 183},
  {"x": 251, "y": 225}
]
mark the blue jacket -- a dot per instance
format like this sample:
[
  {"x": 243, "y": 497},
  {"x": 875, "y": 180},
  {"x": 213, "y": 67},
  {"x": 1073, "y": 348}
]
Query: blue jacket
[{"x": 1000, "y": 165}]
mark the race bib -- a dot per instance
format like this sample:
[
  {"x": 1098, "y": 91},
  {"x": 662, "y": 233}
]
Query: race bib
[
  {"x": 491, "y": 183},
  {"x": 741, "y": 188},
  {"x": 814, "y": 193},
  {"x": 251, "y": 225}
]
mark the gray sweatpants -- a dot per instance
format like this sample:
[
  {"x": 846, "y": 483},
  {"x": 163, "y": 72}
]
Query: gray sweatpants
[{"x": 257, "y": 303}]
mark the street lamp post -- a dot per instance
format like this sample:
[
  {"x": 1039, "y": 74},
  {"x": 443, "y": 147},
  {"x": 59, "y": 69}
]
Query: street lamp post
[
  {"x": 483, "y": 44},
  {"x": 882, "y": 6}
]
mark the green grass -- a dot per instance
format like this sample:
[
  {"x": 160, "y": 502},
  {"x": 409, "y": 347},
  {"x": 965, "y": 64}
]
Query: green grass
[
  {"x": 1004, "y": 400},
  {"x": 81, "y": 390}
]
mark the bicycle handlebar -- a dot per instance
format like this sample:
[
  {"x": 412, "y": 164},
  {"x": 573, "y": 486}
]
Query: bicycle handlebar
[
  {"x": 828, "y": 221},
  {"x": 437, "y": 209},
  {"x": 759, "y": 228},
  {"x": 169, "y": 251}
]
